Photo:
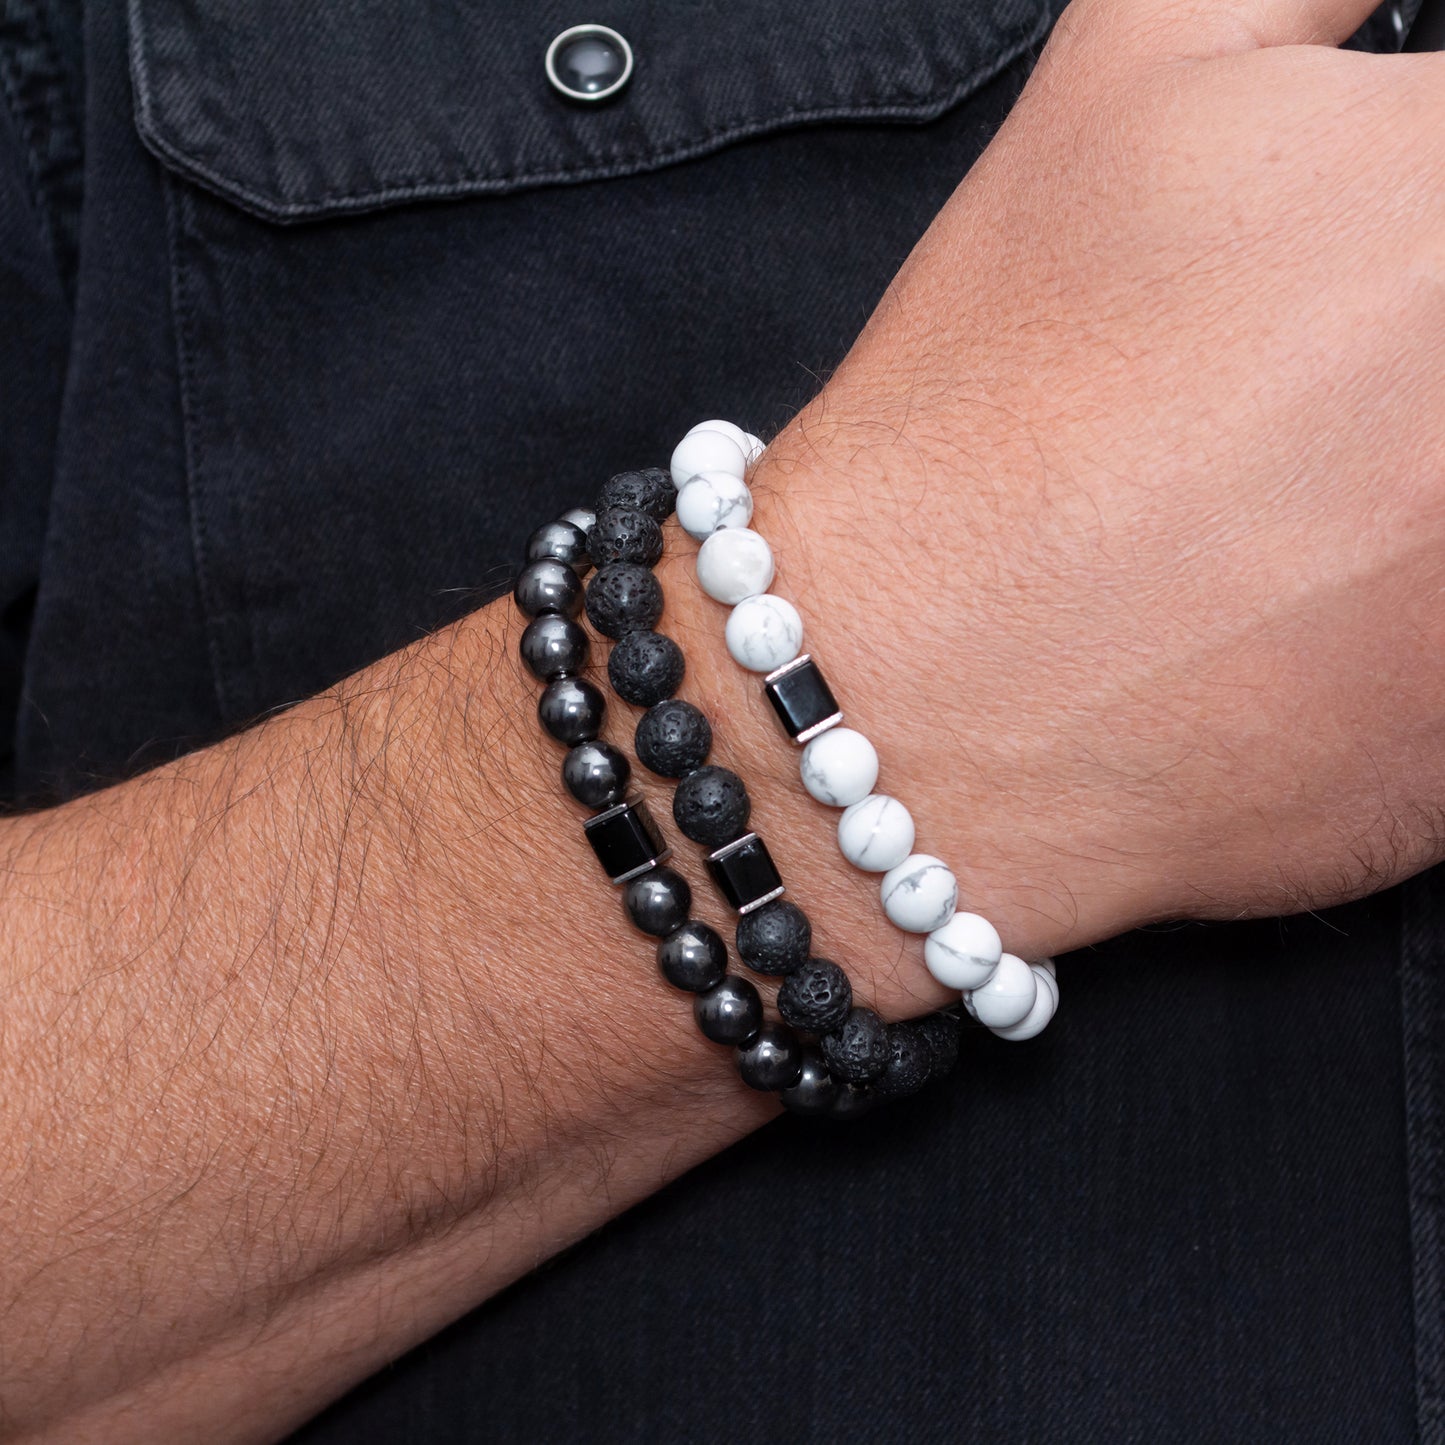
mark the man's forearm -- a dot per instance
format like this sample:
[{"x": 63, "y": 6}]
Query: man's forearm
[{"x": 311, "y": 1041}]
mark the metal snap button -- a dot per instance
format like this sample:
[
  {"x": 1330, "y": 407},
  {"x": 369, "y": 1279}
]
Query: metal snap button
[{"x": 589, "y": 63}]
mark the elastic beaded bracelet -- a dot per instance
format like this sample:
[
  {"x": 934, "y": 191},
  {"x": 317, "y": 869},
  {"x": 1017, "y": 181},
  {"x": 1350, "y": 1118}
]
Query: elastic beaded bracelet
[
  {"x": 690, "y": 955},
  {"x": 711, "y": 806},
  {"x": 839, "y": 766}
]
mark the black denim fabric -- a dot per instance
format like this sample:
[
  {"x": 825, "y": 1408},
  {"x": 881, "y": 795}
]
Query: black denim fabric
[{"x": 239, "y": 458}]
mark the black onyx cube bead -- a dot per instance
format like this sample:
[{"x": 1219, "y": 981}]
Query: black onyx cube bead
[
  {"x": 745, "y": 873},
  {"x": 802, "y": 699},
  {"x": 626, "y": 840}
]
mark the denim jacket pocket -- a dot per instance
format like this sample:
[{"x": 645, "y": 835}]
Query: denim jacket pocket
[{"x": 294, "y": 111}]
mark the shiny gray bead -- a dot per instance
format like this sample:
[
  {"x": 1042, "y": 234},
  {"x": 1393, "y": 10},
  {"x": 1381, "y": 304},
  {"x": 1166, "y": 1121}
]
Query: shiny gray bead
[
  {"x": 816, "y": 1089},
  {"x": 596, "y": 774},
  {"x": 772, "y": 1060},
  {"x": 658, "y": 901},
  {"x": 559, "y": 541},
  {"x": 694, "y": 958},
  {"x": 730, "y": 1012},
  {"x": 553, "y": 645},
  {"x": 571, "y": 709},
  {"x": 548, "y": 586}
]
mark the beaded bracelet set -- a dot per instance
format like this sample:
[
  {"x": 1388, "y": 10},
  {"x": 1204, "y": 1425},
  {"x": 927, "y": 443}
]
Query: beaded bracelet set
[{"x": 827, "y": 1055}]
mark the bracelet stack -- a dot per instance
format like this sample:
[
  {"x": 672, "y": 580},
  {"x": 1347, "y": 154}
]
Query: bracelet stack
[
  {"x": 839, "y": 766},
  {"x": 857, "y": 1059}
]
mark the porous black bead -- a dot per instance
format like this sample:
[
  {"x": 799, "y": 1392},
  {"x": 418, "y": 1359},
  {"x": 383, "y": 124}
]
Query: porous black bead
[
  {"x": 552, "y": 645},
  {"x": 561, "y": 541},
  {"x": 816, "y": 997},
  {"x": 571, "y": 709},
  {"x": 775, "y": 938},
  {"x": 711, "y": 806},
  {"x": 773, "y": 1060},
  {"x": 596, "y": 774},
  {"x": 549, "y": 586},
  {"x": 816, "y": 1087},
  {"x": 650, "y": 490},
  {"x": 730, "y": 1012},
  {"x": 694, "y": 957},
  {"x": 857, "y": 1050},
  {"x": 910, "y": 1062},
  {"x": 941, "y": 1035},
  {"x": 657, "y": 901},
  {"x": 673, "y": 738},
  {"x": 624, "y": 534},
  {"x": 646, "y": 668},
  {"x": 623, "y": 597}
]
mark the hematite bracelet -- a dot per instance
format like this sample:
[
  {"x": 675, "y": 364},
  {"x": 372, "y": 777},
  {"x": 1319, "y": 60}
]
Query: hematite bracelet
[
  {"x": 764, "y": 633},
  {"x": 626, "y": 841},
  {"x": 711, "y": 806}
]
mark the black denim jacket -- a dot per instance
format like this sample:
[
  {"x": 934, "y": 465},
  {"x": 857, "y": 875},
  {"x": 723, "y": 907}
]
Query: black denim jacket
[{"x": 311, "y": 312}]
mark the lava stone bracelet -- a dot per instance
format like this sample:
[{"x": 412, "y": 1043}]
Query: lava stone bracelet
[
  {"x": 764, "y": 633},
  {"x": 622, "y": 834},
  {"x": 711, "y": 806}
]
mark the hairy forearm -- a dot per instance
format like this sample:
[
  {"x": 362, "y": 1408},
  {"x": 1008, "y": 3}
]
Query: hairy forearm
[{"x": 312, "y": 1040}]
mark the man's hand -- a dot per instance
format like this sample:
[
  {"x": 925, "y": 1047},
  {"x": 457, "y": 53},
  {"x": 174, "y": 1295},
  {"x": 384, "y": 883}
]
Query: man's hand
[{"x": 1122, "y": 528}]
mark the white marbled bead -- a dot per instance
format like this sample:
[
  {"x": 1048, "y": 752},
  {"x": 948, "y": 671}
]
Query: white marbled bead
[
  {"x": 964, "y": 952},
  {"x": 876, "y": 833},
  {"x": 709, "y": 501},
  {"x": 753, "y": 448},
  {"x": 919, "y": 895},
  {"x": 840, "y": 767},
  {"x": 967, "y": 1001},
  {"x": 734, "y": 563},
  {"x": 1005, "y": 1000},
  {"x": 729, "y": 429},
  {"x": 764, "y": 632},
  {"x": 705, "y": 450},
  {"x": 1037, "y": 1019}
]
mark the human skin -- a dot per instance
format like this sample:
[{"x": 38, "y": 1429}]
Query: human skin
[{"x": 1119, "y": 530}]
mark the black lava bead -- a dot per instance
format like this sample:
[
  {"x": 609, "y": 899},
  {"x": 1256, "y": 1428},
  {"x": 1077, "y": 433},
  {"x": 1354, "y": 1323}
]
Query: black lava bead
[
  {"x": 650, "y": 490},
  {"x": 694, "y": 958},
  {"x": 730, "y": 1012},
  {"x": 559, "y": 541},
  {"x": 816, "y": 1088},
  {"x": 773, "y": 1060},
  {"x": 673, "y": 738},
  {"x": 596, "y": 774},
  {"x": 910, "y": 1062},
  {"x": 775, "y": 938},
  {"x": 816, "y": 997},
  {"x": 571, "y": 710},
  {"x": 858, "y": 1050},
  {"x": 549, "y": 586},
  {"x": 657, "y": 901},
  {"x": 711, "y": 806},
  {"x": 553, "y": 645},
  {"x": 624, "y": 534},
  {"x": 623, "y": 597},
  {"x": 941, "y": 1035},
  {"x": 646, "y": 668}
]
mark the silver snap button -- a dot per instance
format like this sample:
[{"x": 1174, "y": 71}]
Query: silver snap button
[{"x": 589, "y": 63}]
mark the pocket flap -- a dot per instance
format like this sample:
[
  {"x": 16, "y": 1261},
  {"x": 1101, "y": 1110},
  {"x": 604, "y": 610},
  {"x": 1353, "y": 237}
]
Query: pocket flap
[{"x": 299, "y": 110}]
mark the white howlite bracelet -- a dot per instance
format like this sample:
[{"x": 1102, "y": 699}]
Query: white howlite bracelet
[{"x": 764, "y": 634}]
